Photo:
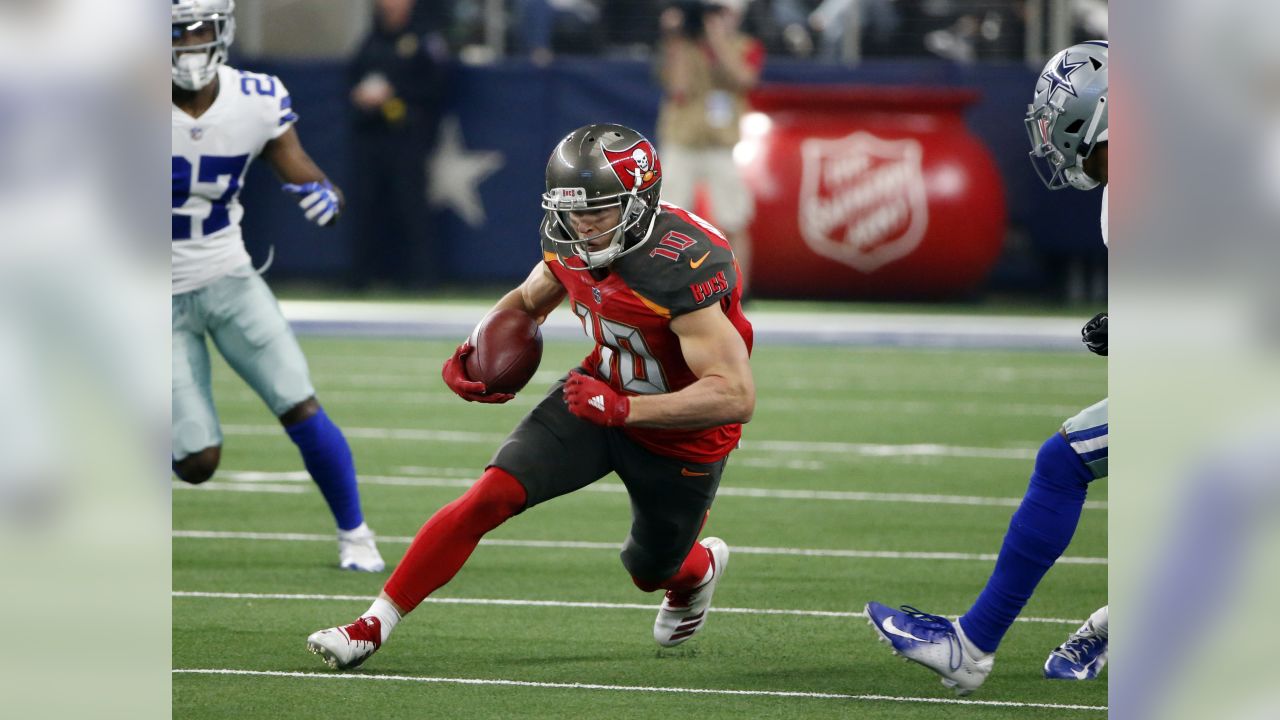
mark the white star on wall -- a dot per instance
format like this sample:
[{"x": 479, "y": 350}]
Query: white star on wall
[{"x": 456, "y": 173}]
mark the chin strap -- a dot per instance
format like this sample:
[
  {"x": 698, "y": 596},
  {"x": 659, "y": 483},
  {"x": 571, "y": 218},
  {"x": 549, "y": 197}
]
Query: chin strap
[
  {"x": 271, "y": 256},
  {"x": 653, "y": 218},
  {"x": 1077, "y": 178}
]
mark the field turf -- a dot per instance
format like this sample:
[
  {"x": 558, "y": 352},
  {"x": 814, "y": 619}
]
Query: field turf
[{"x": 896, "y": 469}]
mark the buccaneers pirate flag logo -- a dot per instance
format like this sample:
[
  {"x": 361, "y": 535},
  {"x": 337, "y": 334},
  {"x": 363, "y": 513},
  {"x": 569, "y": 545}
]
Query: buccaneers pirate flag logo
[
  {"x": 637, "y": 166},
  {"x": 862, "y": 199}
]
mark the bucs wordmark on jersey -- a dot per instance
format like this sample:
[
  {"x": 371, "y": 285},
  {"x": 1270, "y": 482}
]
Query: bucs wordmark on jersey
[
  {"x": 211, "y": 154},
  {"x": 685, "y": 265}
]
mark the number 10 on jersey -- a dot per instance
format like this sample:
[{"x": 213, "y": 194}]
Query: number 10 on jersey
[{"x": 623, "y": 351}]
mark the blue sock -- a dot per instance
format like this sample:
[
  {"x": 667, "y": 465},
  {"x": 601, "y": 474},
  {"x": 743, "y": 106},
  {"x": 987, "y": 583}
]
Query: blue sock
[
  {"x": 1038, "y": 534},
  {"x": 328, "y": 458}
]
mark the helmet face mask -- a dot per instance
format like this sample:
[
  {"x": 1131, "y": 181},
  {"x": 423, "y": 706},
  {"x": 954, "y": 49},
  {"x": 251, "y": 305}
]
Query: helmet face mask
[
  {"x": 1067, "y": 119},
  {"x": 562, "y": 230},
  {"x": 593, "y": 168},
  {"x": 193, "y": 66}
]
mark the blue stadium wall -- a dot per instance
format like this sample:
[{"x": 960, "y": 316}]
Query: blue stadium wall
[{"x": 521, "y": 111}]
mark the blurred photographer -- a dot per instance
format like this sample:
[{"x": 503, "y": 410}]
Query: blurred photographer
[
  {"x": 398, "y": 80},
  {"x": 706, "y": 66}
]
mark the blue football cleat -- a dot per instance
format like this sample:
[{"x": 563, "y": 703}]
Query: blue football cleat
[
  {"x": 1081, "y": 657},
  {"x": 934, "y": 642}
]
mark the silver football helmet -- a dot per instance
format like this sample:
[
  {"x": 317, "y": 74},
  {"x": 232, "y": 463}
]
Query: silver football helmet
[
  {"x": 1067, "y": 119},
  {"x": 194, "y": 66},
  {"x": 594, "y": 167}
]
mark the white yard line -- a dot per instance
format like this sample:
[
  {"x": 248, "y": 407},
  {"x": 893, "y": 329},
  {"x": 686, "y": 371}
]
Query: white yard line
[
  {"x": 777, "y": 446},
  {"x": 633, "y": 688},
  {"x": 249, "y": 477},
  {"x": 414, "y": 434},
  {"x": 911, "y": 407},
  {"x": 590, "y": 545},
  {"x": 254, "y": 487},
  {"x": 409, "y": 393},
  {"x": 648, "y": 607},
  {"x": 887, "y": 450},
  {"x": 435, "y": 471}
]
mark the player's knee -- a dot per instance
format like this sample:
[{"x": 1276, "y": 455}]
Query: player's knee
[
  {"x": 302, "y": 411},
  {"x": 1058, "y": 464},
  {"x": 648, "y": 571},
  {"x": 198, "y": 466},
  {"x": 494, "y": 498}
]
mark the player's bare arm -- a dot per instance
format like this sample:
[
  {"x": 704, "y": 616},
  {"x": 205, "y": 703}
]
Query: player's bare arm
[
  {"x": 725, "y": 391},
  {"x": 538, "y": 295},
  {"x": 292, "y": 164}
]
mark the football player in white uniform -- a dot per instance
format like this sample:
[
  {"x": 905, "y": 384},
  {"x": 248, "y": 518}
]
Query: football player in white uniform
[
  {"x": 1067, "y": 124},
  {"x": 222, "y": 119}
]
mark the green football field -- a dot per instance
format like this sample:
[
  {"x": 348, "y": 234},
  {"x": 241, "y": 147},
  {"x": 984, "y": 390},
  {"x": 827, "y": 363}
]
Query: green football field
[{"x": 867, "y": 474}]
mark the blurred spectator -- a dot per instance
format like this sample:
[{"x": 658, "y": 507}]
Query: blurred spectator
[
  {"x": 545, "y": 25},
  {"x": 1091, "y": 19},
  {"x": 628, "y": 25},
  {"x": 878, "y": 22},
  {"x": 787, "y": 30},
  {"x": 706, "y": 66},
  {"x": 397, "y": 83},
  {"x": 986, "y": 30}
]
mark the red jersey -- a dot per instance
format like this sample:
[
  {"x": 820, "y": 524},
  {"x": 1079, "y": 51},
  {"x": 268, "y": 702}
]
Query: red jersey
[{"x": 684, "y": 265}]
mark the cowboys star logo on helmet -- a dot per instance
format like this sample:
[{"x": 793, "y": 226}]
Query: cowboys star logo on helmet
[{"x": 1060, "y": 75}]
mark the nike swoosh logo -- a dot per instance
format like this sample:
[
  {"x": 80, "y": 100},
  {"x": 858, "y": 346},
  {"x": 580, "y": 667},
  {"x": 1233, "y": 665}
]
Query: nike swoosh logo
[
  {"x": 696, "y": 263},
  {"x": 892, "y": 629},
  {"x": 689, "y": 473}
]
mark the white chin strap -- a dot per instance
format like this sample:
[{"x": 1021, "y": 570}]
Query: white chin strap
[
  {"x": 1077, "y": 179},
  {"x": 1075, "y": 175}
]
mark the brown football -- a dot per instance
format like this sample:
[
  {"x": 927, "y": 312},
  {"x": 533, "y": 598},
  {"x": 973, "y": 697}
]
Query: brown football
[{"x": 508, "y": 348}]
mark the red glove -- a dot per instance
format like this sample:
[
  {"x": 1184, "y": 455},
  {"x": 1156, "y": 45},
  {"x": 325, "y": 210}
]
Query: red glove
[
  {"x": 455, "y": 376},
  {"x": 592, "y": 400}
]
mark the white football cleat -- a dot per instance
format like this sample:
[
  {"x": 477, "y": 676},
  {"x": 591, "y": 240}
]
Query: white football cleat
[
  {"x": 346, "y": 647},
  {"x": 682, "y": 614},
  {"x": 932, "y": 641},
  {"x": 358, "y": 551}
]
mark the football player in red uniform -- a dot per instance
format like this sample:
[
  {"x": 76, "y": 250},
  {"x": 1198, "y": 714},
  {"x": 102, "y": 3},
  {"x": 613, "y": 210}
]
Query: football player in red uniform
[{"x": 660, "y": 400}]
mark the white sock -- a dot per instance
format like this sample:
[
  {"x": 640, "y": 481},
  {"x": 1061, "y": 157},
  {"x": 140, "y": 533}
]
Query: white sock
[
  {"x": 386, "y": 614},
  {"x": 974, "y": 651},
  {"x": 359, "y": 530},
  {"x": 1099, "y": 620}
]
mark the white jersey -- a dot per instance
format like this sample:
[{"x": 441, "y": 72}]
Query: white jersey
[{"x": 211, "y": 155}]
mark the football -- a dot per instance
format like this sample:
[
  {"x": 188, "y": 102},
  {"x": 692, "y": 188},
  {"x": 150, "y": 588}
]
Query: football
[{"x": 508, "y": 349}]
